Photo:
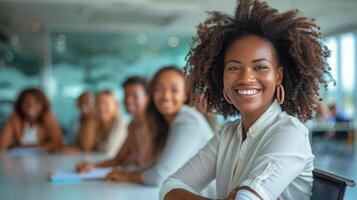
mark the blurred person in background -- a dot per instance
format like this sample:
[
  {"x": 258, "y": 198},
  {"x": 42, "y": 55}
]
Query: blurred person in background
[
  {"x": 138, "y": 149},
  {"x": 110, "y": 129},
  {"x": 321, "y": 112},
  {"x": 335, "y": 115},
  {"x": 32, "y": 123},
  {"x": 318, "y": 125},
  {"x": 86, "y": 123},
  {"x": 340, "y": 126},
  {"x": 179, "y": 131}
]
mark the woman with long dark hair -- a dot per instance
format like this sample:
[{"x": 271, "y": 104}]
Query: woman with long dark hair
[{"x": 32, "y": 123}]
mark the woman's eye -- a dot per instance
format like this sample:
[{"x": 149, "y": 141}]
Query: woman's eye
[
  {"x": 175, "y": 90},
  {"x": 232, "y": 68},
  {"x": 158, "y": 89},
  {"x": 261, "y": 67}
]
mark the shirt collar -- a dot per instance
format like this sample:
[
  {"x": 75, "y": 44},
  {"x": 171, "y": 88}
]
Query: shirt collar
[{"x": 265, "y": 119}]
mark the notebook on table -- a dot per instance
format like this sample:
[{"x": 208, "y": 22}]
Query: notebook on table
[{"x": 73, "y": 176}]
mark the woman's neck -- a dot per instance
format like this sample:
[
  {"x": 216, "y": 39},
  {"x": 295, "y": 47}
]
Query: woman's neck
[
  {"x": 30, "y": 120},
  {"x": 138, "y": 116},
  {"x": 248, "y": 119},
  {"x": 247, "y": 122},
  {"x": 170, "y": 118},
  {"x": 108, "y": 124}
]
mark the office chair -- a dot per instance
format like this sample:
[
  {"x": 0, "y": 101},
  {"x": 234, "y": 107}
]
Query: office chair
[{"x": 329, "y": 186}]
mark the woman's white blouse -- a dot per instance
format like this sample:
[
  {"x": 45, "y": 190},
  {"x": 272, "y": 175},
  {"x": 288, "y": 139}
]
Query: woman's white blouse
[
  {"x": 188, "y": 133},
  {"x": 275, "y": 160},
  {"x": 30, "y": 136}
]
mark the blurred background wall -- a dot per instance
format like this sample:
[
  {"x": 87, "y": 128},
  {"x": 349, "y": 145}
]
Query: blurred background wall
[{"x": 69, "y": 46}]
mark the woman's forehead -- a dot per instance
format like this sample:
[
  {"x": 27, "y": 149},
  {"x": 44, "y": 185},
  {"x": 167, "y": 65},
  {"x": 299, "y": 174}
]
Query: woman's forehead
[{"x": 252, "y": 47}]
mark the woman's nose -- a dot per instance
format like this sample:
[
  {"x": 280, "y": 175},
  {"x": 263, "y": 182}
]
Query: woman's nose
[
  {"x": 246, "y": 75},
  {"x": 166, "y": 94}
]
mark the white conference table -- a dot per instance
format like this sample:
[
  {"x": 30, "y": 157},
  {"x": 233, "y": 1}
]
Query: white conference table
[{"x": 25, "y": 177}]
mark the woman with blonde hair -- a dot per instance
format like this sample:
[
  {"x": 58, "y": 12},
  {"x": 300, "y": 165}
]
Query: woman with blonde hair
[
  {"x": 138, "y": 148},
  {"x": 111, "y": 127}
]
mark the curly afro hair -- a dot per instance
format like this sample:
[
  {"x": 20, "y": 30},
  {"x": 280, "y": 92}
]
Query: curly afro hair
[{"x": 297, "y": 43}]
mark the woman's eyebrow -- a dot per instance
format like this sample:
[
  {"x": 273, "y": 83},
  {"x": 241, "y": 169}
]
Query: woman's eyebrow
[
  {"x": 259, "y": 60},
  {"x": 254, "y": 61},
  {"x": 233, "y": 61}
]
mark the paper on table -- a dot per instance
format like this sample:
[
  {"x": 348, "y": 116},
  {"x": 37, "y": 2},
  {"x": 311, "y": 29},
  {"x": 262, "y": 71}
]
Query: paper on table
[{"x": 73, "y": 176}]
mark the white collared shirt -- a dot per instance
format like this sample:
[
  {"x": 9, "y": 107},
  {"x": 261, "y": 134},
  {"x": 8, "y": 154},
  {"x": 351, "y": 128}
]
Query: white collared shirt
[{"x": 275, "y": 160}]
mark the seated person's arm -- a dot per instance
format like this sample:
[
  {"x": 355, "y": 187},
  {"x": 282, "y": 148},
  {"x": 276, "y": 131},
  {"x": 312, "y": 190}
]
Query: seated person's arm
[
  {"x": 87, "y": 135},
  {"x": 7, "y": 136},
  {"x": 121, "y": 156},
  {"x": 180, "y": 194},
  {"x": 193, "y": 176},
  {"x": 245, "y": 193},
  {"x": 55, "y": 133},
  {"x": 183, "y": 142},
  {"x": 181, "y": 145}
]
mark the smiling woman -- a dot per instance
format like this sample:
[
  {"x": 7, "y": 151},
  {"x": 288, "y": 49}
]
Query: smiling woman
[
  {"x": 245, "y": 64},
  {"x": 32, "y": 123},
  {"x": 250, "y": 77}
]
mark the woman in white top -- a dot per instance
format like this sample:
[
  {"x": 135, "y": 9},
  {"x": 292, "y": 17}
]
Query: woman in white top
[
  {"x": 179, "y": 131},
  {"x": 246, "y": 64},
  {"x": 32, "y": 123}
]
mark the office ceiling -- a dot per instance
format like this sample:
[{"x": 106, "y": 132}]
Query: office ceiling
[
  {"x": 169, "y": 16},
  {"x": 28, "y": 27}
]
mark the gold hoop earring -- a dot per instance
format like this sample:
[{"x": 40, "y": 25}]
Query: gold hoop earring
[
  {"x": 226, "y": 97},
  {"x": 280, "y": 94}
]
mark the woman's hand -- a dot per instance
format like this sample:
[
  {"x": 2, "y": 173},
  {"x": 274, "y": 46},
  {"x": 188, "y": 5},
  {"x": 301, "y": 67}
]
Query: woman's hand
[
  {"x": 116, "y": 175},
  {"x": 84, "y": 167},
  {"x": 232, "y": 194},
  {"x": 120, "y": 175}
]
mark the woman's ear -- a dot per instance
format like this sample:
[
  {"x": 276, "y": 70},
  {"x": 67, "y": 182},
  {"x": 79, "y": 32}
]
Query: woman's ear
[{"x": 280, "y": 74}]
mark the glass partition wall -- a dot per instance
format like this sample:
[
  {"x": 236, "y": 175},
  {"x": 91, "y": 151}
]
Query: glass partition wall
[{"x": 78, "y": 61}]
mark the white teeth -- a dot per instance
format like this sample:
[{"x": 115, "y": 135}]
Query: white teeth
[{"x": 248, "y": 92}]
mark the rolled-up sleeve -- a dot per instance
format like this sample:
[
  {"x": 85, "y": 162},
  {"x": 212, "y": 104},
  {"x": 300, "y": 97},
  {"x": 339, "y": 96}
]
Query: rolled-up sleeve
[
  {"x": 282, "y": 159},
  {"x": 196, "y": 173}
]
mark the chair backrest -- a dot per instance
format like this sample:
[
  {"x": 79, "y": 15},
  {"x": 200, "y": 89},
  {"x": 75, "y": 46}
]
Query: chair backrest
[{"x": 329, "y": 186}]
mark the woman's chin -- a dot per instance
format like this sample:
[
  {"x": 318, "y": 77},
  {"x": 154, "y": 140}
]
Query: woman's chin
[{"x": 247, "y": 108}]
